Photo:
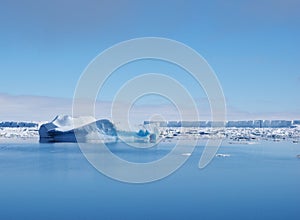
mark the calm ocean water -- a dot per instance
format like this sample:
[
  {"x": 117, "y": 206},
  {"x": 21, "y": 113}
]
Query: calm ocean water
[{"x": 55, "y": 181}]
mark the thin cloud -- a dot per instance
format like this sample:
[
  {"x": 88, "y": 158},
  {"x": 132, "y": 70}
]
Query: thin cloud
[
  {"x": 32, "y": 108},
  {"x": 39, "y": 108}
]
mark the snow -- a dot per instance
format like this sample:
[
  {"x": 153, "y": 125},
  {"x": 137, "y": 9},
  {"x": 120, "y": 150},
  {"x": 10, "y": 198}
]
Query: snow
[
  {"x": 18, "y": 132},
  {"x": 233, "y": 135},
  {"x": 66, "y": 122}
]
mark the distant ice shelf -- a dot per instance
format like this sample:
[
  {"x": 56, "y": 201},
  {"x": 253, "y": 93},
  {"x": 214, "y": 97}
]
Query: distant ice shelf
[
  {"x": 229, "y": 124},
  {"x": 18, "y": 124}
]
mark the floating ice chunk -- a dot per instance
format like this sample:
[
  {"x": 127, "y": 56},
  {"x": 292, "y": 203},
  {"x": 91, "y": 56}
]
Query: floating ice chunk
[
  {"x": 87, "y": 129},
  {"x": 222, "y": 155}
]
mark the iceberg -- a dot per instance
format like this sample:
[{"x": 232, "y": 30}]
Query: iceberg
[
  {"x": 142, "y": 136},
  {"x": 87, "y": 129},
  {"x": 222, "y": 155}
]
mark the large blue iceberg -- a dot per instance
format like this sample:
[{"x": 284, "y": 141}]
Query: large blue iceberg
[
  {"x": 65, "y": 128},
  {"x": 82, "y": 129}
]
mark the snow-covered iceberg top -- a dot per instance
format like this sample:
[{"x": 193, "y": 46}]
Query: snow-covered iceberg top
[{"x": 67, "y": 123}]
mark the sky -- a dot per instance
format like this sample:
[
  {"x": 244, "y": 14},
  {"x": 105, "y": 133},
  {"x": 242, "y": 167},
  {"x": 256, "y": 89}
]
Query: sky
[{"x": 252, "y": 46}]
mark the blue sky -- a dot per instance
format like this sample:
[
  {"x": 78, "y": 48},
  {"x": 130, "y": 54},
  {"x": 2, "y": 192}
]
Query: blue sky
[{"x": 253, "y": 47}]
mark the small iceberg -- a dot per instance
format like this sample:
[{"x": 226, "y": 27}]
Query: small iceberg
[
  {"x": 87, "y": 129},
  {"x": 142, "y": 136},
  {"x": 222, "y": 155}
]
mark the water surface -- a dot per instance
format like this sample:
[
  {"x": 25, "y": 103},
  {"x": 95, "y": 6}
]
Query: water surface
[{"x": 55, "y": 181}]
